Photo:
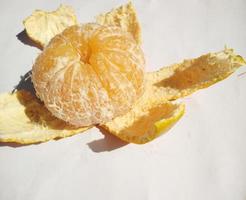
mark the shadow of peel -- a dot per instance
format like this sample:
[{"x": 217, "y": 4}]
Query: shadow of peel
[
  {"x": 108, "y": 143},
  {"x": 23, "y": 37}
]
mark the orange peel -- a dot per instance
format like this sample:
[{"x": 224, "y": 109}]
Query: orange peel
[
  {"x": 24, "y": 119},
  {"x": 125, "y": 17},
  {"x": 185, "y": 78},
  {"x": 42, "y": 26},
  {"x": 148, "y": 119}
]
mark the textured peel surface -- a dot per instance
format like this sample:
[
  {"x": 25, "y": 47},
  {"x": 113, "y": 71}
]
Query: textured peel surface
[
  {"x": 125, "y": 17},
  {"x": 24, "y": 119},
  {"x": 89, "y": 74},
  {"x": 148, "y": 119},
  {"x": 183, "y": 79},
  {"x": 41, "y": 26}
]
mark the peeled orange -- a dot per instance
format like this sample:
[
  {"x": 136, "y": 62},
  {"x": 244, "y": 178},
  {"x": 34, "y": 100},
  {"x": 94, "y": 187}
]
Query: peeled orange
[{"x": 90, "y": 74}]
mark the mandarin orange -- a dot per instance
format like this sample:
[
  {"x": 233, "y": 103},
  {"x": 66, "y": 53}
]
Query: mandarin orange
[{"x": 89, "y": 74}]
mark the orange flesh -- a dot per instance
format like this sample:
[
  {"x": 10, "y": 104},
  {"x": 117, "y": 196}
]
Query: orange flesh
[{"x": 90, "y": 74}]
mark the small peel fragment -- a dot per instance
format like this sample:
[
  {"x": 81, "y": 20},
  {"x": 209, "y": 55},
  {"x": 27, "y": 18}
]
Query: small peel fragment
[
  {"x": 125, "y": 17},
  {"x": 42, "y": 26},
  {"x": 148, "y": 119},
  {"x": 25, "y": 120},
  {"x": 180, "y": 80}
]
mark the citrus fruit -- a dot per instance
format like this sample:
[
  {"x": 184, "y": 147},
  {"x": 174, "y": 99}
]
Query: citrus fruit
[
  {"x": 41, "y": 26},
  {"x": 89, "y": 74},
  {"x": 152, "y": 114},
  {"x": 24, "y": 119}
]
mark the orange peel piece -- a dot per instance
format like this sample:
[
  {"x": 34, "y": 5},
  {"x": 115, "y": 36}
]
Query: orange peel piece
[
  {"x": 185, "y": 78},
  {"x": 125, "y": 17},
  {"x": 148, "y": 119},
  {"x": 42, "y": 26},
  {"x": 24, "y": 119}
]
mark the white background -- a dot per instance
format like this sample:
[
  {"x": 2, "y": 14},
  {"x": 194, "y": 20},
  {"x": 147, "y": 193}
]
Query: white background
[{"x": 202, "y": 157}]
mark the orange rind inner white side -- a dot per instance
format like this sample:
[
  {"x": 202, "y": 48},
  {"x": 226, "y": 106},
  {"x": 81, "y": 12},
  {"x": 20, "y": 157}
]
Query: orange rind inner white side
[
  {"x": 42, "y": 26},
  {"x": 125, "y": 17},
  {"x": 24, "y": 119}
]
